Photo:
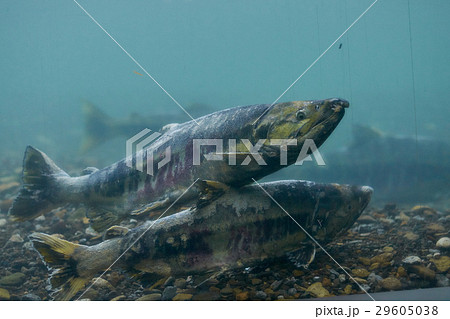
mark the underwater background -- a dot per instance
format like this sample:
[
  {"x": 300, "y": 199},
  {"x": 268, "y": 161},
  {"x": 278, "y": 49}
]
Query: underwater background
[{"x": 393, "y": 66}]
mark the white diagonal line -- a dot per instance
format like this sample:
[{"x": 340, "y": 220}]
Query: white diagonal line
[
  {"x": 316, "y": 60},
  {"x": 137, "y": 239},
  {"x": 312, "y": 238},
  {"x": 136, "y": 62}
]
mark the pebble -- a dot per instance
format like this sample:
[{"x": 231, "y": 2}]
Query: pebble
[
  {"x": 226, "y": 291},
  {"x": 437, "y": 228},
  {"x": 31, "y": 297},
  {"x": 4, "y": 294},
  {"x": 401, "y": 272},
  {"x": 2, "y": 222},
  {"x": 423, "y": 272},
  {"x": 364, "y": 260},
  {"x": 291, "y": 291},
  {"x": 297, "y": 273},
  {"x": 444, "y": 243},
  {"x": 15, "y": 279},
  {"x": 169, "y": 292},
  {"x": 382, "y": 258},
  {"x": 318, "y": 290},
  {"x": 102, "y": 283},
  {"x": 326, "y": 282},
  {"x": 180, "y": 283},
  {"x": 256, "y": 281},
  {"x": 363, "y": 273},
  {"x": 442, "y": 264},
  {"x": 342, "y": 278},
  {"x": 348, "y": 289},
  {"x": 411, "y": 236},
  {"x": 16, "y": 238},
  {"x": 276, "y": 284},
  {"x": 260, "y": 295},
  {"x": 182, "y": 297},
  {"x": 150, "y": 297},
  {"x": 411, "y": 260},
  {"x": 391, "y": 283},
  {"x": 242, "y": 296}
]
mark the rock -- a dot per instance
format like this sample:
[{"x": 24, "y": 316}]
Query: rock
[
  {"x": 150, "y": 297},
  {"x": 4, "y": 294},
  {"x": 16, "y": 239},
  {"x": 444, "y": 243},
  {"x": 411, "y": 236},
  {"x": 401, "y": 272},
  {"x": 260, "y": 295},
  {"x": 388, "y": 249},
  {"x": 411, "y": 260},
  {"x": 363, "y": 273},
  {"x": 342, "y": 278},
  {"x": 180, "y": 283},
  {"x": 31, "y": 297},
  {"x": 276, "y": 284},
  {"x": 326, "y": 282},
  {"x": 291, "y": 291},
  {"x": 256, "y": 281},
  {"x": 242, "y": 296},
  {"x": 318, "y": 290},
  {"x": 366, "y": 219},
  {"x": 182, "y": 297},
  {"x": 15, "y": 279},
  {"x": 297, "y": 273},
  {"x": 442, "y": 264},
  {"x": 101, "y": 283},
  {"x": 91, "y": 232},
  {"x": 425, "y": 210},
  {"x": 423, "y": 272},
  {"x": 382, "y": 258},
  {"x": 169, "y": 282},
  {"x": 348, "y": 289},
  {"x": 2, "y": 222},
  {"x": 169, "y": 292},
  {"x": 364, "y": 260},
  {"x": 403, "y": 218},
  {"x": 391, "y": 283},
  {"x": 435, "y": 228},
  {"x": 226, "y": 291},
  {"x": 374, "y": 278}
]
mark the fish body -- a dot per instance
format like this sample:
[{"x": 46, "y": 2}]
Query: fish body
[
  {"x": 401, "y": 169},
  {"x": 242, "y": 228},
  {"x": 100, "y": 127},
  {"x": 116, "y": 191}
]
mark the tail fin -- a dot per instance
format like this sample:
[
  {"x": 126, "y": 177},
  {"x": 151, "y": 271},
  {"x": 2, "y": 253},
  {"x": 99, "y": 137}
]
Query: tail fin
[
  {"x": 39, "y": 177},
  {"x": 59, "y": 255},
  {"x": 97, "y": 127}
]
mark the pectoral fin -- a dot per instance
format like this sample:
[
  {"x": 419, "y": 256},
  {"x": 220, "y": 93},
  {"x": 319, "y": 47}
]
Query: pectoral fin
[
  {"x": 304, "y": 256},
  {"x": 153, "y": 206}
]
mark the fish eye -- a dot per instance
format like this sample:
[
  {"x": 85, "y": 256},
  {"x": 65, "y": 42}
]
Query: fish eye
[
  {"x": 300, "y": 115},
  {"x": 317, "y": 107}
]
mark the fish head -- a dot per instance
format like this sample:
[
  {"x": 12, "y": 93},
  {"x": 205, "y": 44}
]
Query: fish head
[
  {"x": 301, "y": 120},
  {"x": 338, "y": 210}
]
